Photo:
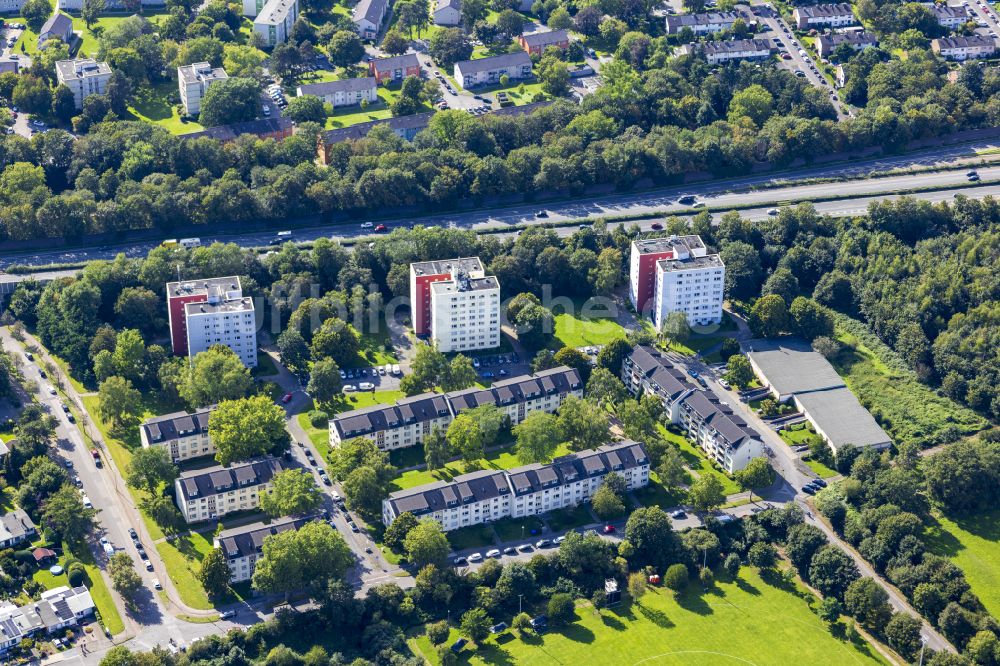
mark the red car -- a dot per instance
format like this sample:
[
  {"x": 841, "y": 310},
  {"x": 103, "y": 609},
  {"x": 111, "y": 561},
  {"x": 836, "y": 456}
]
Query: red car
[
  {"x": 287, "y": 399},
  {"x": 381, "y": 229},
  {"x": 609, "y": 529}
]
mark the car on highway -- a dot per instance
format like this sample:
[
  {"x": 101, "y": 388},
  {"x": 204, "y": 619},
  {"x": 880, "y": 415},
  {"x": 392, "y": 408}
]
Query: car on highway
[
  {"x": 367, "y": 225},
  {"x": 381, "y": 229},
  {"x": 974, "y": 177},
  {"x": 772, "y": 211},
  {"x": 476, "y": 557}
]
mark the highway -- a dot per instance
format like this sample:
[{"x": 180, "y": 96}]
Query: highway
[{"x": 764, "y": 190}]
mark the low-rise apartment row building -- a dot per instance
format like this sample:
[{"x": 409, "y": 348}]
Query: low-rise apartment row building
[
  {"x": 488, "y": 495},
  {"x": 857, "y": 40},
  {"x": 704, "y": 23},
  {"x": 971, "y": 47},
  {"x": 184, "y": 435},
  {"x": 213, "y": 492},
  {"x": 410, "y": 420},
  {"x": 243, "y": 546},
  {"x": 834, "y": 15},
  {"x": 722, "y": 434},
  {"x": 58, "y": 609},
  {"x": 717, "y": 53}
]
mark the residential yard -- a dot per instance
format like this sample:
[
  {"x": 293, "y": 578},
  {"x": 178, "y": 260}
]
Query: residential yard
[
  {"x": 157, "y": 105},
  {"x": 698, "y": 463},
  {"x": 320, "y": 437},
  {"x": 352, "y": 115},
  {"x": 90, "y": 45},
  {"x": 569, "y": 518},
  {"x": 182, "y": 556},
  {"x": 515, "y": 529},
  {"x": 655, "y": 494},
  {"x": 474, "y": 536},
  {"x": 801, "y": 434},
  {"x": 584, "y": 323},
  {"x": 501, "y": 458},
  {"x": 762, "y": 625},
  {"x": 973, "y": 543},
  {"x": 98, "y": 589}
]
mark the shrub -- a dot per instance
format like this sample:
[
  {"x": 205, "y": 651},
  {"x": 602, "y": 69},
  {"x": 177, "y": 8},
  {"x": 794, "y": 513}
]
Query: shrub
[
  {"x": 437, "y": 632},
  {"x": 676, "y": 577},
  {"x": 76, "y": 574},
  {"x": 319, "y": 419}
]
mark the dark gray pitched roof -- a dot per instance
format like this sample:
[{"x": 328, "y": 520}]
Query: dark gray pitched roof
[
  {"x": 854, "y": 38},
  {"x": 174, "y": 426},
  {"x": 518, "y": 59},
  {"x": 404, "y": 61},
  {"x": 215, "y": 480},
  {"x": 733, "y": 429},
  {"x": 464, "y": 489},
  {"x": 545, "y": 37},
  {"x": 566, "y": 469},
  {"x": 343, "y": 85},
  {"x": 415, "y": 409},
  {"x": 736, "y": 45},
  {"x": 974, "y": 41},
  {"x": 248, "y": 539},
  {"x": 372, "y": 10},
  {"x": 259, "y": 127},
  {"x": 825, "y": 11},
  {"x": 663, "y": 376},
  {"x": 16, "y": 525},
  {"x": 58, "y": 23}
]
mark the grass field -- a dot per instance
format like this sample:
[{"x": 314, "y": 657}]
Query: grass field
[
  {"x": 182, "y": 557},
  {"x": 821, "y": 469},
  {"x": 512, "y": 529},
  {"x": 569, "y": 518},
  {"x": 585, "y": 322},
  {"x": 352, "y": 115},
  {"x": 655, "y": 494},
  {"x": 98, "y": 589},
  {"x": 156, "y": 105},
  {"x": 973, "y": 544},
  {"x": 747, "y": 622},
  {"x": 798, "y": 435},
  {"x": 907, "y": 409},
  {"x": 501, "y": 458},
  {"x": 476, "y": 536},
  {"x": 89, "y": 45}
]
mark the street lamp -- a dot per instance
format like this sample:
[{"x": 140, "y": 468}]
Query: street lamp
[
  {"x": 923, "y": 644},
  {"x": 519, "y": 603}
]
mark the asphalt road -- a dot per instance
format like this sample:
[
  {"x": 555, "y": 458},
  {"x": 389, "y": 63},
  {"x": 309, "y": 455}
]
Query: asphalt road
[{"x": 714, "y": 194}]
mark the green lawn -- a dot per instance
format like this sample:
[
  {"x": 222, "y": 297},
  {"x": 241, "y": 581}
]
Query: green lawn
[
  {"x": 376, "y": 348},
  {"x": 798, "y": 435},
  {"x": 98, "y": 589},
  {"x": 6, "y": 436},
  {"x": 74, "y": 382},
  {"x": 748, "y": 622},
  {"x": 973, "y": 543},
  {"x": 585, "y": 323},
  {"x": 90, "y": 44},
  {"x": 655, "y": 494},
  {"x": 696, "y": 461},
  {"x": 182, "y": 557},
  {"x": 821, "y": 469},
  {"x": 568, "y": 519},
  {"x": 265, "y": 366},
  {"x": 352, "y": 115},
  {"x": 157, "y": 105},
  {"x": 513, "y": 529},
  {"x": 320, "y": 437},
  {"x": 475, "y": 536},
  {"x": 500, "y": 458},
  {"x": 696, "y": 344}
]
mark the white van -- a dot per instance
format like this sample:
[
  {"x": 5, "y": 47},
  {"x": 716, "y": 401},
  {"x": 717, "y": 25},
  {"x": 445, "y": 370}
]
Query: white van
[
  {"x": 395, "y": 370},
  {"x": 190, "y": 243},
  {"x": 87, "y": 504}
]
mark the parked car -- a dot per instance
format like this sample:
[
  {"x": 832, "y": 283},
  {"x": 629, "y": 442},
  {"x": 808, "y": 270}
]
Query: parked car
[
  {"x": 809, "y": 489},
  {"x": 543, "y": 543},
  {"x": 678, "y": 514},
  {"x": 381, "y": 229},
  {"x": 225, "y": 615},
  {"x": 476, "y": 557},
  {"x": 656, "y": 225},
  {"x": 287, "y": 398},
  {"x": 819, "y": 482},
  {"x": 493, "y": 552},
  {"x": 525, "y": 548},
  {"x": 509, "y": 550},
  {"x": 156, "y": 584}
]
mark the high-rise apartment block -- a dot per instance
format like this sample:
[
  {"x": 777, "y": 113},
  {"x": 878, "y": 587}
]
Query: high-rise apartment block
[
  {"x": 456, "y": 304},
  {"x": 676, "y": 274},
  {"x": 210, "y": 312}
]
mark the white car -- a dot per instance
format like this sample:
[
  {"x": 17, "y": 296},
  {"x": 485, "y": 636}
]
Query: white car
[
  {"x": 476, "y": 557},
  {"x": 87, "y": 504},
  {"x": 349, "y": 388},
  {"x": 367, "y": 225},
  {"x": 493, "y": 552},
  {"x": 366, "y": 386},
  {"x": 395, "y": 369},
  {"x": 156, "y": 584}
]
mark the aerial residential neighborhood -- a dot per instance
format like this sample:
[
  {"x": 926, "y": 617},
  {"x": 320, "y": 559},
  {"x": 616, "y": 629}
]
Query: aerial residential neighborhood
[{"x": 440, "y": 332}]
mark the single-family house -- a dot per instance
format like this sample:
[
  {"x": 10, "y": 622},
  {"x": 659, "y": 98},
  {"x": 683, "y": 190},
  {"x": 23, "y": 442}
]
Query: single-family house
[
  {"x": 59, "y": 26},
  {"x": 948, "y": 16},
  {"x": 368, "y": 16},
  {"x": 16, "y": 528}
]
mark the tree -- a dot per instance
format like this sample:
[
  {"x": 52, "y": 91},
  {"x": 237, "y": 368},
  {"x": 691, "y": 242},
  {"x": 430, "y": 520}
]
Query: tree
[
  {"x": 214, "y": 375},
  {"x": 245, "y": 428},
  {"x": 739, "y": 372},
  {"x": 671, "y": 469},
  {"x": 324, "y": 380},
  {"x": 559, "y": 19},
  {"x": 832, "y": 571},
  {"x": 461, "y": 374},
  {"x": 730, "y": 347},
  {"x": 732, "y": 565},
  {"x": 613, "y": 353},
  {"x": 124, "y": 577},
  {"x": 63, "y": 103},
  {"x": 395, "y": 534},
  {"x": 768, "y": 316},
  {"x": 676, "y": 327},
  {"x": 293, "y": 350},
  {"x": 437, "y": 451},
  {"x": 653, "y": 539},
  {"x": 476, "y": 625},
  {"x": 763, "y": 555},
  {"x": 535, "y": 326},
  {"x": 801, "y": 544},
  {"x": 298, "y": 559},
  {"x": 676, "y": 578},
  {"x": 869, "y": 603},
  {"x": 743, "y": 269},
  {"x": 64, "y": 513},
  {"x": 466, "y": 438},
  {"x": 753, "y": 102},
  {"x": 554, "y": 75},
  {"x": 394, "y": 43},
  {"x": 561, "y": 609},
  {"x": 521, "y": 623},
  {"x": 706, "y": 493},
  {"x": 829, "y": 610},
  {"x": 437, "y": 632},
  {"x": 607, "y": 504},
  {"x": 306, "y": 109},
  {"x": 637, "y": 585},
  {"x": 583, "y": 423},
  {"x": 164, "y": 513},
  {"x": 151, "y": 467},
  {"x": 473, "y": 11},
  {"x": 449, "y": 46},
  {"x": 984, "y": 647},
  {"x": 214, "y": 573},
  {"x": 757, "y": 474},
  {"x": 230, "y": 101},
  {"x": 510, "y": 23},
  {"x": 293, "y": 492},
  {"x": 427, "y": 544},
  {"x": 120, "y": 403},
  {"x": 363, "y": 490},
  {"x": 338, "y": 340},
  {"x": 573, "y": 358},
  {"x": 605, "y": 388},
  {"x": 35, "y": 13},
  {"x": 810, "y": 320},
  {"x": 538, "y": 436},
  {"x": 345, "y": 48}
]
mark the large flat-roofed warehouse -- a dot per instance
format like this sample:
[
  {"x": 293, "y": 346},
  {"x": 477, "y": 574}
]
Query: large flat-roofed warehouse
[{"x": 793, "y": 371}]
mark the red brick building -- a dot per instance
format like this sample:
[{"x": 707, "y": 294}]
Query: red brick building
[
  {"x": 535, "y": 43},
  {"x": 395, "y": 69}
]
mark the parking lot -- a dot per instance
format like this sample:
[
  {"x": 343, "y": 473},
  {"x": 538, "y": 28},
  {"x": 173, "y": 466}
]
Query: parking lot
[
  {"x": 984, "y": 16},
  {"x": 500, "y": 366},
  {"x": 379, "y": 378},
  {"x": 791, "y": 53}
]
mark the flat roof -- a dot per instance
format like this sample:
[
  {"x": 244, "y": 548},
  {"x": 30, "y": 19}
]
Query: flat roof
[
  {"x": 204, "y": 307},
  {"x": 842, "y": 418},
  {"x": 668, "y": 244},
  {"x": 200, "y": 71},
  {"x": 790, "y": 365},
  {"x": 193, "y": 287},
  {"x": 671, "y": 265},
  {"x": 446, "y": 266},
  {"x": 466, "y": 284}
]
